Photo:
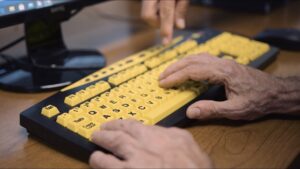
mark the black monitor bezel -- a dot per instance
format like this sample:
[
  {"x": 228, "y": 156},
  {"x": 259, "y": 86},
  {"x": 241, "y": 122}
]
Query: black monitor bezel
[{"x": 24, "y": 16}]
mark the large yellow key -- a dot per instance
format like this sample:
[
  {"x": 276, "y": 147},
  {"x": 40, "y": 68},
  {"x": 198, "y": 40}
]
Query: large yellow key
[
  {"x": 167, "y": 56},
  {"x": 106, "y": 117},
  {"x": 101, "y": 86},
  {"x": 153, "y": 62},
  {"x": 76, "y": 111},
  {"x": 134, "y": 115},
  {"x": 169, "y": 106},
  {"x": 126, "y": 63},
  {"x": 83, "y": 95},
  {"x": 143, "y": 120},
  {"x": 127, "y": 74},
  {"x": 63, "y": 119},
  {"x": 72, "y": 100},
  {"x": 185, "y": 46},
  {"x": 94, "y": 115},
  {"x": 86, "y": 106},
  {"x": 75, "y": 123},
  {"x": 49, "y": 111},
  {"x": 242, "y": 60},
  {"x": 86, "y": 129}
]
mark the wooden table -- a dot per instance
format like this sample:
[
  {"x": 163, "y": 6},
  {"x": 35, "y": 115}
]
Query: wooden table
[{"x": 272, "y": 142}]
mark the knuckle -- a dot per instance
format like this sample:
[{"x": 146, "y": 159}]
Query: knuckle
[
  {"x": 167, "y": 9},
  {"x": 118, "y": 139},
  {"x": 129, "y": 123},
  {"x": 135, "y": 126},
  {"x": 229, "y": 70},
  {"x": 213, "y": 110},
  {"x": 202, "y": 58},
  {"x": 230, "y": 66}
]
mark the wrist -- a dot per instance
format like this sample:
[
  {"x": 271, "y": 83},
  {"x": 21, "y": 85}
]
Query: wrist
[{"x": 285, "y": 98}]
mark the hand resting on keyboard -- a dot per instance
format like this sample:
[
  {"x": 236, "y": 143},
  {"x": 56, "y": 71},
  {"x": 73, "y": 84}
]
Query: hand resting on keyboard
[
  {"x": 251, "y": 93},
  {"x": 146, "y": 147}
]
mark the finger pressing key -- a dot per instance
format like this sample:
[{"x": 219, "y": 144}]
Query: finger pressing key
[
  {"x": 175, "y": 79},
  {"x": 167, "y": 10},
  {"x": 177, "y": 66}
]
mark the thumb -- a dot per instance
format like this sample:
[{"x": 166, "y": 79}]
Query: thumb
[{"x": 206, "y": 109}]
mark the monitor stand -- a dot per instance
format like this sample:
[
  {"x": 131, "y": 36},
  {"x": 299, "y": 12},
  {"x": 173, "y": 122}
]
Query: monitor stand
[{"x": 49, "y": 65}]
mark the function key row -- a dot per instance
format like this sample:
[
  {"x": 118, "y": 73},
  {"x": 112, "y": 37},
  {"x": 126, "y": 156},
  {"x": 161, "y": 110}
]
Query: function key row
[
  {"x": 87, "y": 93},
  {"x": 123, "y": 64}
]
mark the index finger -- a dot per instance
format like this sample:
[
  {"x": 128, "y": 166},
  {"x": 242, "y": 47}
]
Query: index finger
[
  {"x": 177, "y": 66},
  {"x": 167, "y": 17},
  {"x": 181, "y": 64},
  {"x": 202, "y": 68}
]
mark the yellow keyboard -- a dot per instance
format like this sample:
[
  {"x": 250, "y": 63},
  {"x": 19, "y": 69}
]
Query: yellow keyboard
[{"x": 129, "y": 89}]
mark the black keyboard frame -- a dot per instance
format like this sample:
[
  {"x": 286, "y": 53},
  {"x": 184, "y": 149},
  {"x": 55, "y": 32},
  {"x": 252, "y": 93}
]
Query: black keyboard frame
[{"x": 68, "y": 142}]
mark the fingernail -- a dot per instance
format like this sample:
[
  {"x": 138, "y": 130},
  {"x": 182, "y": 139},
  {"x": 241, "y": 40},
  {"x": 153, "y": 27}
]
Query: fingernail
[
  {"x": 194, "y": 112},
  {"x": 165, "y": 41},
  {"x": 180, "y": 23}
]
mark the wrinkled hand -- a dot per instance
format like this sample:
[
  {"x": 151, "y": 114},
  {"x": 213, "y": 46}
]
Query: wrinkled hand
[
  {"x": 166, "y": 14},
  {"x": 250, "y": 93},
  {"x": 146, "y": 147}
]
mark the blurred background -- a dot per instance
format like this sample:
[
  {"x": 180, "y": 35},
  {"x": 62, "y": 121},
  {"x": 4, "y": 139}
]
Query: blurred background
[{"x": 96, "y": 22}]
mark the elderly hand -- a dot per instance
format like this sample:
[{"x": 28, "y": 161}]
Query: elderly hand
[
  {"x": 165, "y": 13},
  {"x": 142, "y": 146},
  {"x": 250, "y": 93}
]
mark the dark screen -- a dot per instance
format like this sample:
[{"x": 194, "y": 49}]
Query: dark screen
[{"x": 9, "y": 7}]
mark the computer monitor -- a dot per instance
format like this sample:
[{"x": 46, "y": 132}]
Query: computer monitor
[{"x": 49, "y": 64}]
